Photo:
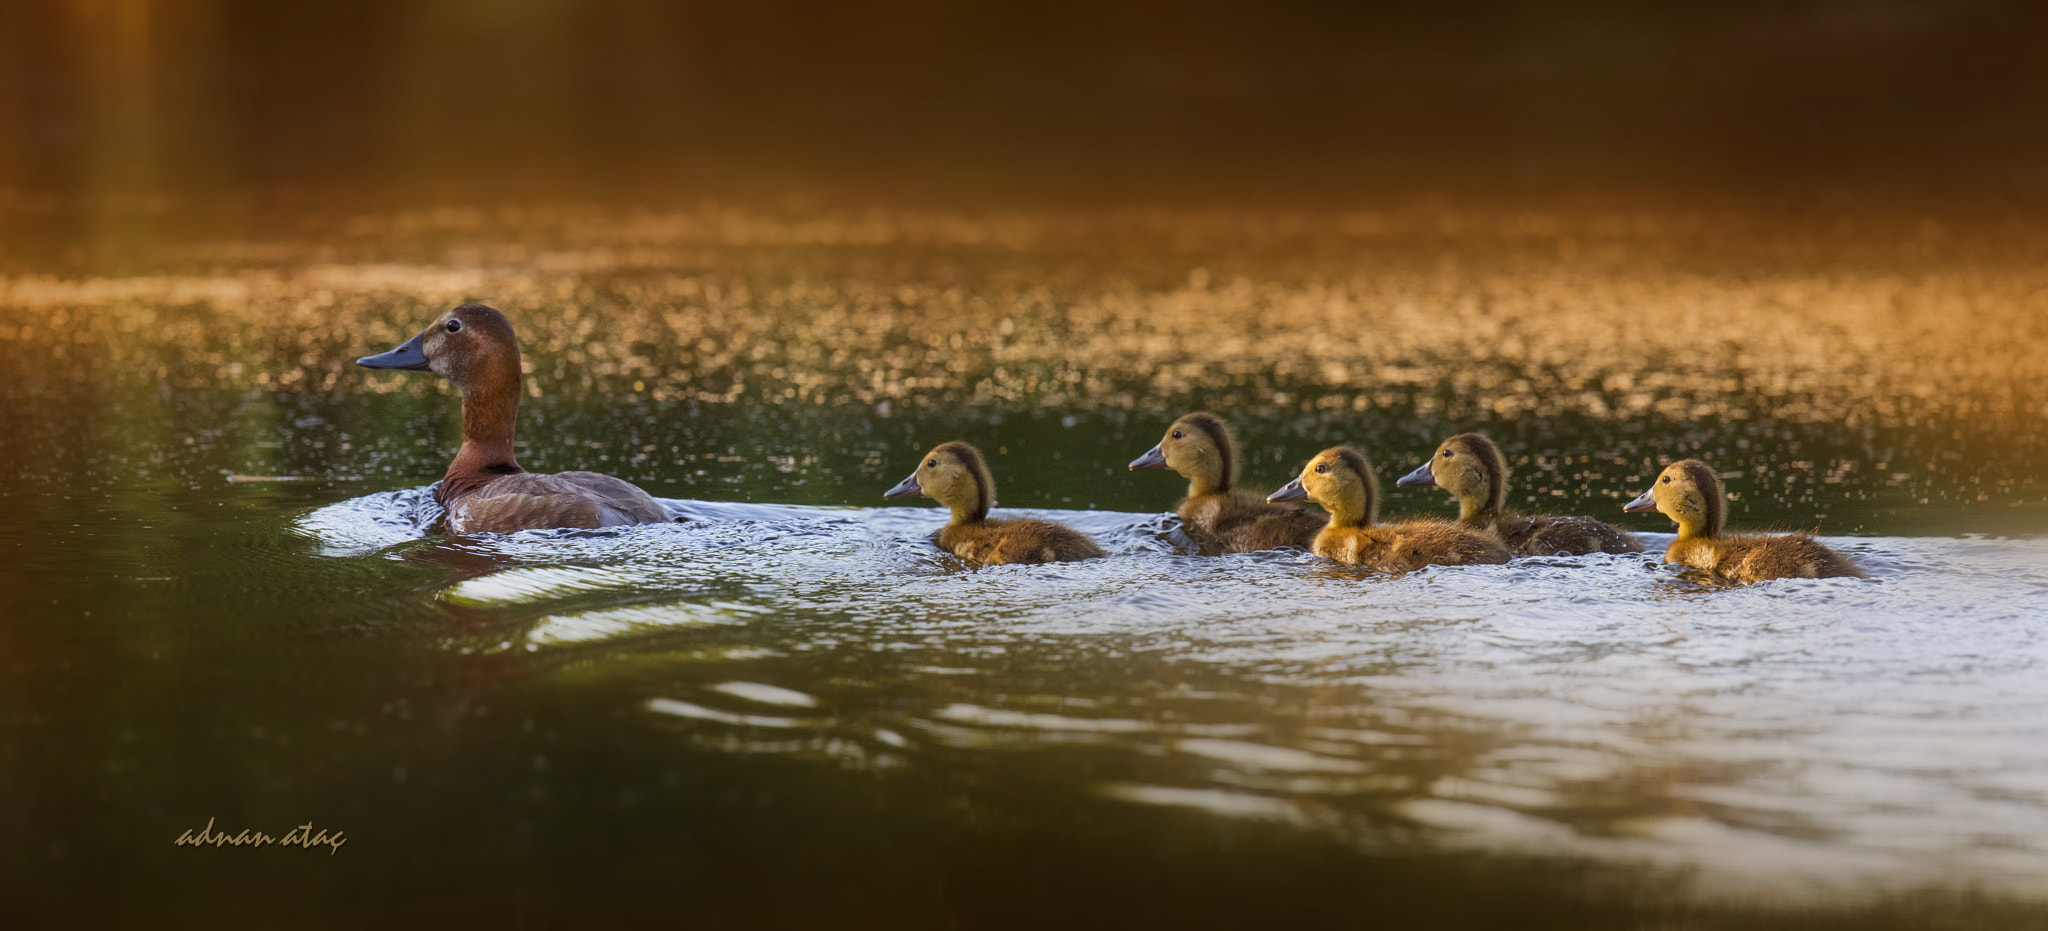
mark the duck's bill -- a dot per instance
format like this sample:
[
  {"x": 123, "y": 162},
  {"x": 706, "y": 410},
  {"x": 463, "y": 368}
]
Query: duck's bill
[
  {"x": 1153, "y": 459},
  {"x": 1422, "y": 477},
  {"x": 1643, "y": 502},
  {"x": 908, "y": 488},
  {"x": 410, "y": 356},
  {"x": 1292, "y": 491}
]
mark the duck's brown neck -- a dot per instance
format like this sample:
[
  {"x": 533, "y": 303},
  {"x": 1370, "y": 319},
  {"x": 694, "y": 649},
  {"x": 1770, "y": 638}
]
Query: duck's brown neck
[
  {"x": 1205, "y": 481},
  {"x": 490, "y": 408}
]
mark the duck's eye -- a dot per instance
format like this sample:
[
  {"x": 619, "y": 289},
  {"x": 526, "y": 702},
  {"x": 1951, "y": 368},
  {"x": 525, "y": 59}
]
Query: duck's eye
[
  {"x": 931, "y": 463},
  {"x": 1447, "y": 454},
  {"x": 454, "y": 325},
  {"x": 1322, "y": 469},
  {"x": 1666, "y": 479},
  {"x": 1176, "y": 434}
]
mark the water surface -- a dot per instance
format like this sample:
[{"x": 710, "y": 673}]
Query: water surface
[{"x": 216, "y": 601}]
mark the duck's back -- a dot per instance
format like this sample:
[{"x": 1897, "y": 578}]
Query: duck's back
[
  {"x": 1245, "y": 522},
  {"x": 1754, "y": 558},
  {"x": 1027, "y": 541},
  {"x": 534, "y": 501},
  {"x": 1410, "y": 545},
  {"x": 1549, "y": 535}
]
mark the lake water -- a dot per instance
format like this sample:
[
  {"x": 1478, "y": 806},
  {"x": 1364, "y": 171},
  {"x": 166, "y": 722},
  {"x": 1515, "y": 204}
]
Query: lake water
[{"x": 217, "y": 602}]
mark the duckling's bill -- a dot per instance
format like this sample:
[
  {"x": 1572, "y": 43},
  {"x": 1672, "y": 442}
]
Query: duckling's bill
[
  {"x": 908, "y": 488},
  {"x": 1292, "y": 491},
  {"x": 1647, "y": 501},
  {"x": 1154, "y": 458},
  {"x": 1422, "y": 477},
  {"x": 410, "y": 356}
]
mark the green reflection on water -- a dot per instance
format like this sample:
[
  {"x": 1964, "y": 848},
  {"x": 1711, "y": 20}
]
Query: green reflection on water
[{"x": 176, "y": 653}]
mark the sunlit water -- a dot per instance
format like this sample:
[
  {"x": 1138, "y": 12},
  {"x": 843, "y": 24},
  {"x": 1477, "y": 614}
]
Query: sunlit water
[
  {"x": 1797, "y": 741},
  {"x": 216, "y": 602}
]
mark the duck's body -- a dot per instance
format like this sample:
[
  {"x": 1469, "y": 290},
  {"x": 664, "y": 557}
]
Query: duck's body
[
  {"x": 1024, "y": 542},
  {"x": 955, "y": 475},
  {"x": 1201, "y": 449},
  {"x": 1408, "y": 546},
  {"x": 1689, "y": 493},
  {"x": 1470, "y": 467},
  {"x": 1750, "y": 558},
  {"x": 1244, "y": 522},
  {"x": 1341, "y": 480},
  {"x": 527, "y": 500},
  {"x": 484, "y": 489}
]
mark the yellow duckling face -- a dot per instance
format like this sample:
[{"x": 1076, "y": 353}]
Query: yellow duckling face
[
  {"x": 1197, "y": 446},
  {"x": 1688, "y": 492},
  {"x": 1467, "y": 465},
  {"x": 954, "y": 475},
  {"x": 1341, "y": 480}
]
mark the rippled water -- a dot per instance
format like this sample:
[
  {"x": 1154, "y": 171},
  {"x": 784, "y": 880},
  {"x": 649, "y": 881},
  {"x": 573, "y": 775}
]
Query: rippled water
[
  {"x": 791, "y": 710},
  {"x": 1794, "y": 742}
]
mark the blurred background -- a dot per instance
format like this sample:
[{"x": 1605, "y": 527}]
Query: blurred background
[
  {"x": 762, "y": 255},
  {"x": 1805, "y": 102}
]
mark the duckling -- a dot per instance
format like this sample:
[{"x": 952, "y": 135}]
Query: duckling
[
  {"x": 1470, "y": 467},
  {"x": 954, "y": 475},
  {"x": 1689, "y": 493},
  {"x": 1341, "y": 480},
  {"x": 1202, "y": 450},
  {"x": 484, "y": 489}
]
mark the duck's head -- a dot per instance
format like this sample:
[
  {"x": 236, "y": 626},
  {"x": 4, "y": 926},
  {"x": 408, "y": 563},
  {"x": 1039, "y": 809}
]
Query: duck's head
[
  {"x": 461, "y": 345},
  {"x": 1341, "y": 480},
  {"x": 1468, "y": 466},
  {"x": 1199, "y": 447},
  {"x": 953, "y": 474},
  {"x": 1689, "y": 493}
]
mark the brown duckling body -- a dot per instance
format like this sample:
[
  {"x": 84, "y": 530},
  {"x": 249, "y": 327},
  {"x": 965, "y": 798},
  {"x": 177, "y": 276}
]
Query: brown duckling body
[
  {"x": 484, "y": 489},
  {"x": 1341, "y": 480},
  {"x": 955, "y": 475},
  {"x": 1689, "y": 493},
  {"x": 1470, "y": 467},
  {"x": 1199, "y": 447}
]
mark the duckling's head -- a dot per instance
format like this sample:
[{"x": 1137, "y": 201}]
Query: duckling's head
[
  {"x": 953, "y": 474},
  {"x": 1468, "y": 466},
  {"x": 1199, "y": 447},
  {"x": 1688, "y": 492},
  {"x": 1341, "y": 480},
  {"x": 463, "y": 345}
]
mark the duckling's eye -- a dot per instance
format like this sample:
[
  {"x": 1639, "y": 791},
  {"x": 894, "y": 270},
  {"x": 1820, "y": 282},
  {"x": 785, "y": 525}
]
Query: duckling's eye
[
  {"x": 1176, "y": 434},
  {"x": 931, "y": 463},
  {"x": 454, "y": 325},
  {"x": 1666, "y": 479},
  {"x": 1322, "y": 470},
  {"x": 1447, "y": 454}
]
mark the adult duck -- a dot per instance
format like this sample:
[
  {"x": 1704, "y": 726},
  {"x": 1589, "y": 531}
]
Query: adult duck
[
  {"x": 955, "y": 475},
  {"x": 1199, "y": 447},
  {"x": 1689, "y": 493},
  {"x": 484, "y": 489},
  {"x": 1341, "y": 480},
  {"x": 1470, "y": 467}
]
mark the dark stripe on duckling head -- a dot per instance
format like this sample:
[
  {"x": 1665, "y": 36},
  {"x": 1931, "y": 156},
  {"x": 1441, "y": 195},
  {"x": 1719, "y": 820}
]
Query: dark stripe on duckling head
[
  {"x": 984, "y": 483},
  {"x": 1218, "y": 434},
  {"x": 1713, "y": 509},
  {"x": 1356, "y": 462},
  {"x": 1491, "y": 465}
]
